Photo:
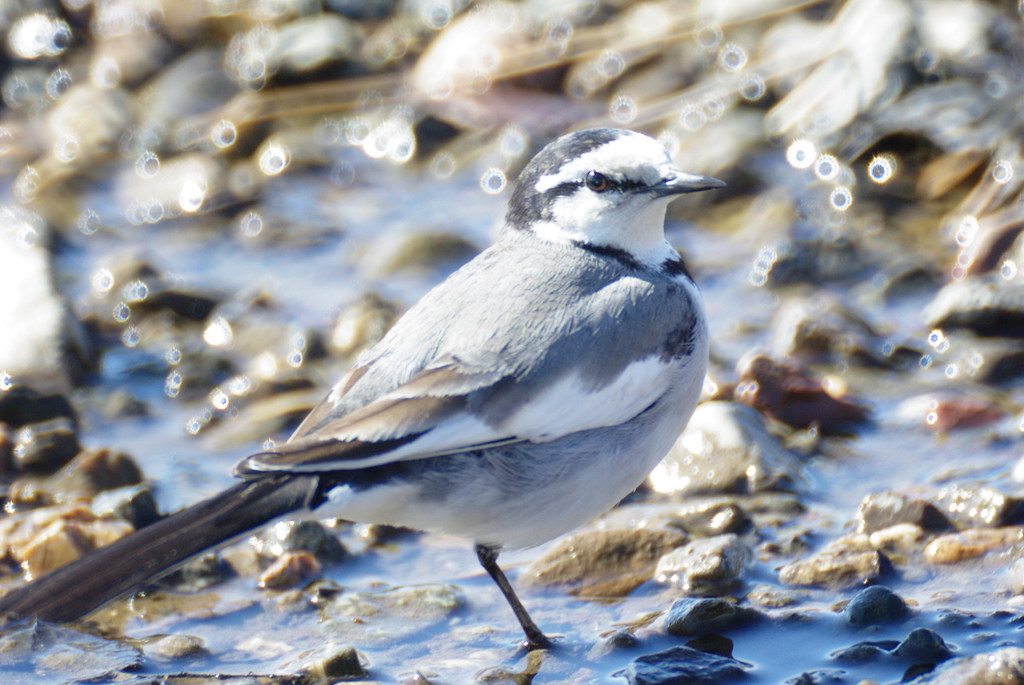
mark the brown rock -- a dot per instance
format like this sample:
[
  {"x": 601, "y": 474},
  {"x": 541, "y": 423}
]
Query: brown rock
[
  {"x": 886, "y": 509},
  {"x": 971, "y": 544},
  {"x": 58, "y": 544},
  {"x": 844, "y": 563},
  {"x": 603, "y": 563},
  {"x": 793, "y": 397},
  {"x": 289, "y": 570},
  {"x": 94, "y": 471}
]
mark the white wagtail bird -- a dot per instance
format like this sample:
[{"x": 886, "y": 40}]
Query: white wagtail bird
[{"x": 529, "y": 392}]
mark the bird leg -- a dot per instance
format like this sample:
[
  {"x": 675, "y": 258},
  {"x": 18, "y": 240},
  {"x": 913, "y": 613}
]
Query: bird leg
[{"x": 488, "y": 557}]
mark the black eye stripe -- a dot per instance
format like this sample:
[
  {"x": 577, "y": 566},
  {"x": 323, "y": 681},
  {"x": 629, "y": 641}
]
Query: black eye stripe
[{"x": 569, "y": 187}]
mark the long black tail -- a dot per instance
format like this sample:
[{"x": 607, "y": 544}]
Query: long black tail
[{"x": 74, "y": 590}]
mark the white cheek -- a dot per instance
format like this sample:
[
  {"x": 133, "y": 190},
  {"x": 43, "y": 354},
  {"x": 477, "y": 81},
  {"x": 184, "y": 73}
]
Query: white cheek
[{"x": 581, "y": 214}]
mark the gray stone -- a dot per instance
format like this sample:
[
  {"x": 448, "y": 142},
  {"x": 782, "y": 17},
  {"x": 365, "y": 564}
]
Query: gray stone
[
  {"x": 696, "y": 616},
  {"x": 174, "y": 647},
  {"x": 726, "y": 448},
  {"x": 979, "y": 507},
  {"x": 705, "y": 566},
  {"x": 886, "y": 509},
  {"x": 682, "y": 666},
  {"x": 987, "y": 305}
]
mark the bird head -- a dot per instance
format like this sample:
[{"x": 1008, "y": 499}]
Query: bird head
[{"x": 606, "y": 188}]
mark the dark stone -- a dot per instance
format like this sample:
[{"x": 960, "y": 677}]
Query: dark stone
[
  {"x": 46, "y": 446},
  {"x": 923, "y": 645},
  {"x": 710, "y": 517},
  {"x": 312, "y": 537},
  {"x": 916, "y": 671},
  {"x": 134, "y": 503},
  {"x": 94, "y": 471},
  {"x": 987, "y": 305},
  {"x": 343, "y": 664},
  {"x": 885, "y": 509},
  {"x": 622, "y": 639},
  {"x": 694, "y": 616},
  {"x": 818, "y": 677},
  {"x": 874, "y": 606},
  {"x": 712, "y": 644},
  {"x": 682, "y": 666},
  {"x": 21, "y": 405},
  {"x": 1004, "y": 665},
  {"x": 864, "y": 652},
  {"x": 198, "y": 574}
]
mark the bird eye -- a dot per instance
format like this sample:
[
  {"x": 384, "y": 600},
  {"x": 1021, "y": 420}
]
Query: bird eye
[{"x": 596, "y": 181}]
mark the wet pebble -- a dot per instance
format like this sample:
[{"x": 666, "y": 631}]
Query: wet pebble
[
  {"x": 603, "y": 563},
  {"x": 682, "y": 665},
  {"x": 707, "y": 566},
  {"x": 792, "y": 396},
  {"x": 1004, "y": 665},
  {"x": 420, "y": 251},
  {"x": 304, "y": 536},
  {"x": 903, "y": 538},
  {"x": 342, "y": 664},
  {"x": 697, "y": 616},
  {"x": 987, "y": 304},
  {"x": 133, "y": 503},
  {"x": 128, "y": 288},
  {"x": 979, "y": 506},
  {"x": 361, "y": 324},
  {"x": 875, "y": 605},
  {"x": 45, "y": 446},
  {"x": 64, "y": 541},
  {"x": 865, "y": 652},
  {"x": 39, "y": 652},
  {"x": 822, "y": 329},
  {"x": 886, "y": 509},
  {"x": 93, "y": 471},
  {"x": 289, "y": 570},
  {"x": 923, "y": 645},
  {"x": 43, "y": 345},
  {"x": 773, "y": 596},
  {"x": 944, "y": 412},
  {"x": 707, "y": 517},
  {"x": 971, "y": 544},
  {"x": 845, "y": 562},
  {"x": 22, "y": 405},
  {"x": 726, "y": 448},
  {"x": 198, "y": 573},
  {"x": 432, "y": 601},
  {"x": 813, "y": 259},
  {"x": 175, "y": 647}
]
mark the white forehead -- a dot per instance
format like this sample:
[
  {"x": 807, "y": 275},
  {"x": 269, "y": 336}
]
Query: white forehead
[{"x": 632, "y": 156}]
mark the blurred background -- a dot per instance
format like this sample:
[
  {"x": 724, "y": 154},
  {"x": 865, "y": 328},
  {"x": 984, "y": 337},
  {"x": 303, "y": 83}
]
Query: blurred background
[{"x": 209, "y": 207}]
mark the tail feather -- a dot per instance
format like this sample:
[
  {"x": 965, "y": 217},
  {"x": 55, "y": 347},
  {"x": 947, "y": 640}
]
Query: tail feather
[{"x": 73, "y": 591}]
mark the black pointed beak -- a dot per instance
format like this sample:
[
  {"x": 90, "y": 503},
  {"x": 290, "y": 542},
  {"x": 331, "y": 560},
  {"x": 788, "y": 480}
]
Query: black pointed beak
[{"x": 681, "y": 182}]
